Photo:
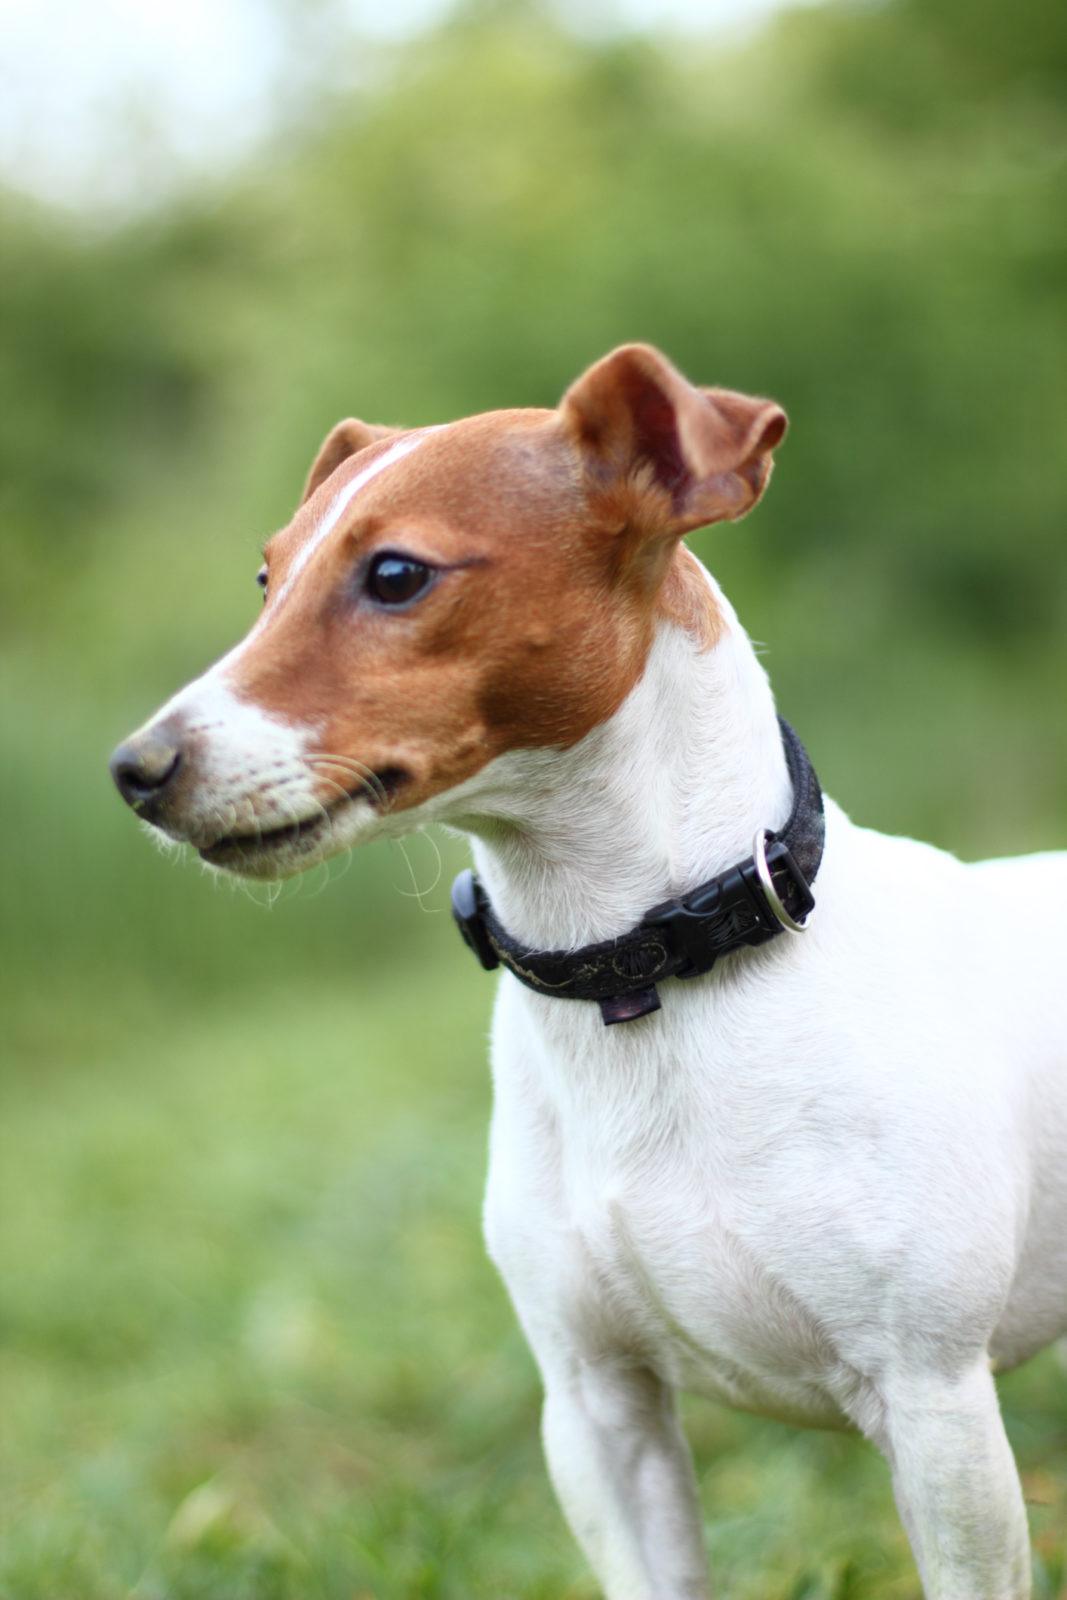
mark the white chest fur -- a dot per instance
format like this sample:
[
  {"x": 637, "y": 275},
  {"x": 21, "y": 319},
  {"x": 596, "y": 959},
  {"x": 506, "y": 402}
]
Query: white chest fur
[
  {"x": 827, "y": 1181},
  {"x": 767, "y": 1191},
  {"x": 763, "y": 1190}
]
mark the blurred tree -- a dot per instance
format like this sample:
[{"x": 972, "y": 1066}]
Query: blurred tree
[{"x": 862, "y": 212}]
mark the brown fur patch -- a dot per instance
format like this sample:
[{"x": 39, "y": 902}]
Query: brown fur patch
[
  {"x": 530, "y": 635},
  {"x": 557, "y": 551},
  {"x": 687, "y": 599},
  {"x": 345, "y": 439}
]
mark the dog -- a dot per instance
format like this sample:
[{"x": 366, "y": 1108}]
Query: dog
[{"x": 814, "y": 1164}]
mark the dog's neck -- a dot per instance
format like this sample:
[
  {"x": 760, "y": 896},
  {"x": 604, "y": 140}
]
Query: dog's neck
[{"x": 574, "y": 847}]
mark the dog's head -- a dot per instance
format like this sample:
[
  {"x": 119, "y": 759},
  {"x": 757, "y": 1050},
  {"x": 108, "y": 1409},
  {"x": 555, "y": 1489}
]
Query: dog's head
[{"x": 443, "y": 596}]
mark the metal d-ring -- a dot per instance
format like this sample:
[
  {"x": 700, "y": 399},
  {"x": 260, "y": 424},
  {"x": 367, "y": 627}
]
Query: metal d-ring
[{"x": 770, "y": 893}]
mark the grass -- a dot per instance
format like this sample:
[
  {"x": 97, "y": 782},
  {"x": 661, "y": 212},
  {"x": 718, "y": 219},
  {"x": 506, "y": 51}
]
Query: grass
[
  {"x": 251, "y": 1344},
  {"x": 252, "y": 1347}
]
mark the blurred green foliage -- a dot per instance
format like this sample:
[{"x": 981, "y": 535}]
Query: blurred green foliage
[{"x": 862, "y": 212}]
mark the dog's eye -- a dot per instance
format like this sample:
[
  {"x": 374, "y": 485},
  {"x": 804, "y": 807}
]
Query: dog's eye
[
  {"x": 261, "y": 579},
  {"x": 395, "y": 580}
]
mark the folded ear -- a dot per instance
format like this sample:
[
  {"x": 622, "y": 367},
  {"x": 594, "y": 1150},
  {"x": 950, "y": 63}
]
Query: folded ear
[
  {"x": 680, "y": 456},
  {"x": 342, "y": 441}
]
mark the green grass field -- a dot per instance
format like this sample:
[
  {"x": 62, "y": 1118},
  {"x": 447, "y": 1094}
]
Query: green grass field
[{"x": 252, "y": 1347}]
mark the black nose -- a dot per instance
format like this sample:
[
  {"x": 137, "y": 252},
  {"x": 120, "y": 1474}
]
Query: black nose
[{"x": 143, "y": 768}]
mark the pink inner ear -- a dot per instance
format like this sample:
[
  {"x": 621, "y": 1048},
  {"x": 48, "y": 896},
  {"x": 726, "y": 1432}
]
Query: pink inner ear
[
  {"x": 773, "y": 433},
  {"x": 708, "y": 449},
  {"x": 656, "y": 432}
]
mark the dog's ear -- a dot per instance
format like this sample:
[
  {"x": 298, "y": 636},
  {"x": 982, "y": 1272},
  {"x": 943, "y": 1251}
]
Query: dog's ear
[
  {"x": 342, "y": 441},
  {"x": 679, "y": 456}
]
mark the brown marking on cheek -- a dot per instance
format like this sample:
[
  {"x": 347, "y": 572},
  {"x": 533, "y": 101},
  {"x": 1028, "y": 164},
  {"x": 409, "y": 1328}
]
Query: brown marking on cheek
[
  {"x": 557, "y": 691},
  {"x": 535, "y": 638}
]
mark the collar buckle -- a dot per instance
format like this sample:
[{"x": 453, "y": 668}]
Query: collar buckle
[{"x": 744, "y": 906}]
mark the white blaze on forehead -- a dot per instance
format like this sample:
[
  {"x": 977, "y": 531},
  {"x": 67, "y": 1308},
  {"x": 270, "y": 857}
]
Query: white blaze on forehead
[
  {"x": 342, "y": 500},
  {"x": 237, "y": 741}
]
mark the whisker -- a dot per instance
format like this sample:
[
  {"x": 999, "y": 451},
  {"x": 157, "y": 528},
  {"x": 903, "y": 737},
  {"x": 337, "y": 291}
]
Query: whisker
[
  {"x": 374, "y": 787},
  {"x": 415, "y": 893},
  {"x": 368, "y": 778},
  {"x": 250, "y": 888},
  {"x": 293, "y": 819},
  {"x": 324, "y": 866},
  {"x": 273, "y": 888},
  {"x": 341, "y": 790}
]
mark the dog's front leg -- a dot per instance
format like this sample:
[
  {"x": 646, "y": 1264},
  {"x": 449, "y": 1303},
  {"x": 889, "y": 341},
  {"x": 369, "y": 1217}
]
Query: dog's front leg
[
  {"x": 621, "y": 1467},
  {"x": 957, "y": 1486}
]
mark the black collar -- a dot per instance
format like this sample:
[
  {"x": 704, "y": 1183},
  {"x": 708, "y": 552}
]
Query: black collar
[{"x": 764, "y": 895}]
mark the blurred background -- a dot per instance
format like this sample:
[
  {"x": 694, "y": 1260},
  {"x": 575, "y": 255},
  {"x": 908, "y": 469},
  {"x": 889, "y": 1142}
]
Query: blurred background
[{"x": 250, "y": 1344}]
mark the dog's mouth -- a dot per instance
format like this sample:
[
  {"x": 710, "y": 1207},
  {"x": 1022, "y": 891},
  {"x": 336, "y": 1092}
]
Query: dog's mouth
[{"x": 236, "y": 850}]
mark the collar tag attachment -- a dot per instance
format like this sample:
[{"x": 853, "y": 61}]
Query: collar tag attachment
[
  {"x": 770, "y": 889},
  {"x": 628, "y": 1007},
  {"x": 468, "y": 908}
]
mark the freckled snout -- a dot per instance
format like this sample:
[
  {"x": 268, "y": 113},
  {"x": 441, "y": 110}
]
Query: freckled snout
[{"x": 144, "y": 769}]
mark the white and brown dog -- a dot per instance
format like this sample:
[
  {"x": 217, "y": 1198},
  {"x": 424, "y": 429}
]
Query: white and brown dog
[{"x": 826, "y": 1180}]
